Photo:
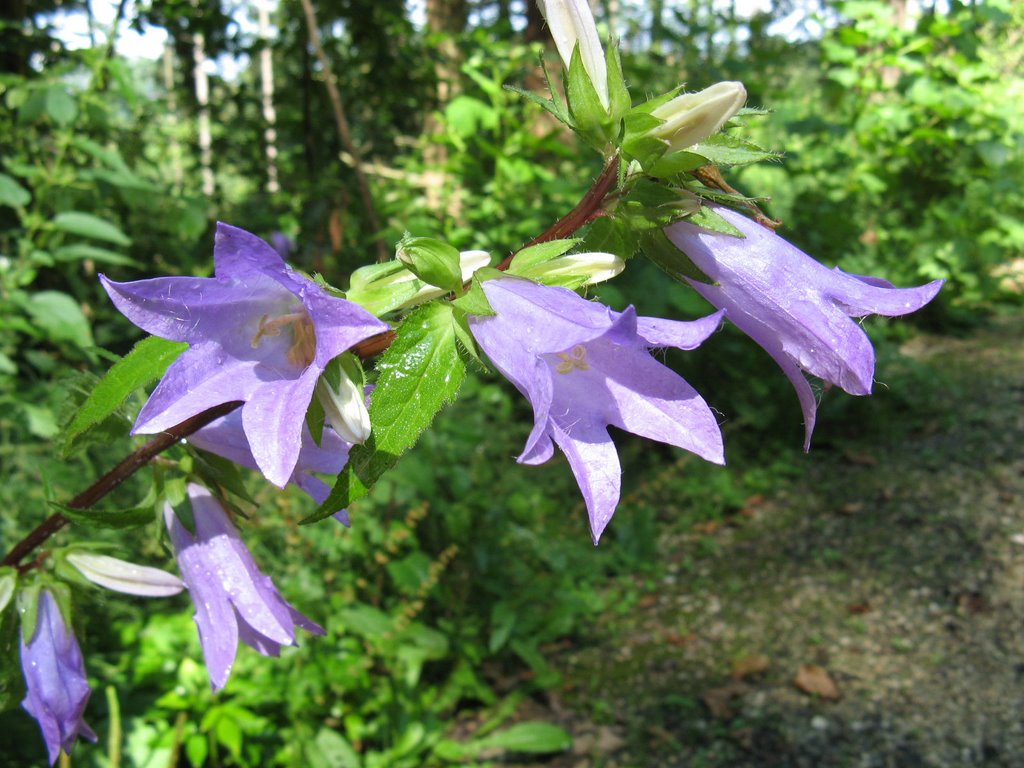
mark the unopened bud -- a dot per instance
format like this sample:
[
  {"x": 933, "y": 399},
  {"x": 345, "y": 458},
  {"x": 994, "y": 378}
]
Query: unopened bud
[
  {"x": 469, "y": 262},
  {"x": 122, "y": 576},
  {"x": 345, "y": 408},
  {"x": 590, "y": 268},
  {"x": 693, "y": 117},
  {"x": 571, "y": 22}
]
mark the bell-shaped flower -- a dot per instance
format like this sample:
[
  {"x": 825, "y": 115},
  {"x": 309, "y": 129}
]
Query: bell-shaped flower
[
  {"x": 123, "y": 576},
  {"x": 797, "y": 309},
  {"x": 234, "y": 599},
  {"x": 226, "y": 438},
  {"x": 57, "y": 689},
  {"x": 258, "y": 332},
  {"x": 584, "y": 367},
  {"x": 692, "y": 117},
  {"x": 571, "y": 22}
]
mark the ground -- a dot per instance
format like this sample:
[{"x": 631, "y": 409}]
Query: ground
[{"x": 868, "y": 613}]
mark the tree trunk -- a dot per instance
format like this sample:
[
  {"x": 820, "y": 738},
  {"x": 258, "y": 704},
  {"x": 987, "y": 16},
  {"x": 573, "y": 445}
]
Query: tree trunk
[
  {"x": 203, "y": 100},
  {"x": 267, "y": 90}
]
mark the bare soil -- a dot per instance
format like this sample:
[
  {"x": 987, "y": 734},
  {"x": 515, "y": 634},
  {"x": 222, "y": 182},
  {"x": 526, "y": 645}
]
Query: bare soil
[{"x": 868, "y": 613}]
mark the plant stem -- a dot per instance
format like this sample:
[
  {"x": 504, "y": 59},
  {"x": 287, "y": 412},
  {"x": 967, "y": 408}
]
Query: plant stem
[
  {"x": 588, "y": 208},
  {"x": 128, "y": 466}
]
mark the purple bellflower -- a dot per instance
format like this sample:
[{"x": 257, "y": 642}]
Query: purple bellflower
[
  {"x": 226, "y": 437},
  {"x": 584, "y": 367},
  {"x": 797, "y": 309},
  {"x": 258, "y": 332},
  {"x": 234, "y": 600},
  {"x": 57, "y": 689}
]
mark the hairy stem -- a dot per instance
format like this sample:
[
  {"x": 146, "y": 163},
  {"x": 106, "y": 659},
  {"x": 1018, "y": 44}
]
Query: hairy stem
[{"x": 131, "y": 464}]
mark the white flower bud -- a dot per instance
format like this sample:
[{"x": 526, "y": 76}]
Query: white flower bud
[
  {"x": 571, "y": 22},
  {"x": 345, "y": 408},
  {"x": 692, "y": 117},
  {"x": 122, "y": 576},
  {"x": 469, "y": 262},
  {"x": 594, "y": 267}
]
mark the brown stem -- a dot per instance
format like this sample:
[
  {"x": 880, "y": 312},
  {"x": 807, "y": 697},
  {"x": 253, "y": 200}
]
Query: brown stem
[
  {"x": 712, "y": 177},
  {"x": 586, "y": 210},
  {"x": 343, "y": 131},
  {"x": 128, "y": 466}
]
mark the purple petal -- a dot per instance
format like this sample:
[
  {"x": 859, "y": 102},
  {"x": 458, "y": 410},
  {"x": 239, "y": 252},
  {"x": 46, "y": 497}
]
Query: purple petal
[
  {"x": 658, "y": 332},
  {"x": 595, "y": 464},
  {"x": 238, "y": 254},
  {"x": 200, "y": 379},
  {"x": 274, "y": 417}
]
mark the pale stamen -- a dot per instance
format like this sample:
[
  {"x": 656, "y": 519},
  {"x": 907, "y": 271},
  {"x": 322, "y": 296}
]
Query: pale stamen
[
  {"x": 576, "y": 360},
  {"x": 303, "y": 348}
]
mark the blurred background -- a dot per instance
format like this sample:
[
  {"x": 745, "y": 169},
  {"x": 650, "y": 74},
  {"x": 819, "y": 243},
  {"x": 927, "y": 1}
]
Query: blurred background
[{"x": 470, "y": 619}]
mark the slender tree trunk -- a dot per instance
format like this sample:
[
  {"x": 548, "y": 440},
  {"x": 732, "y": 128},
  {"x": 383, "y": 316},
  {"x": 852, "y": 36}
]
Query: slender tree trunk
[
  {"x": 341, "y": 121},
  {"x": 267, "y": 89},
  {"x": 177, "y": 171},
  {"x": 203, "y": 100}
]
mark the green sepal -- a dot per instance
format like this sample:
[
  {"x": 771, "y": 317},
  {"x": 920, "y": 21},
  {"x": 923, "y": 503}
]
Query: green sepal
[
  {"x": 652, "y": 205},
  {"x": 707, "y": 218},
  {"x": 723, "y": 149},
  {"x": 556, "y": 108},
  {"x": 378, "y": 300},
  {"x": 28, "y": 609},
  {"x": 637, "y": 143},
  {"x": 663, "y": 252},
  {"x": 315, "y": 418},
  {"x": 619, "y": 101},
  {"x": 432, "y": 261},
  {"x": 147, "y": 361},
  {"x": 676, "y": 163},
  {"x": 464, "y": 335},
  {"x": 474, "y": 301},
  {"x": 121, "y": 519},
  {"x": 588, "y": 113},
  {"x": 538, "y": 254},
  {"x": 418, "y": 374}
]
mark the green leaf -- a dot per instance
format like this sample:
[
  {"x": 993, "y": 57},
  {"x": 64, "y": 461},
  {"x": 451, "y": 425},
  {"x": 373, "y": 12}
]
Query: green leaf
[
  {"x": 83, "y": 251},
  {"x": 618, "y": 94},
  {"x": 12, "y": 193},
  {"x": 707, "y": 218},
  {"x": 419, "y": 373},
  {"x": 329, "y": 749},
  {"x": 12, "y": 679},
  {"x": 555, "y": 108},
  {"x": 723, "y": 149},
  {"x": 8, "y": 581},
  {"x": 538, "y": 254},
  {"x": 120, "y": 519},
  {"x": 61, "y": 108},
  {"x": 474, "y": 301},
  {"x": 60, "y": 318},
  {"x": 146, "y": 362},
  {"x": 676, "y": 163},
  {"x": 87, "y": 225}
]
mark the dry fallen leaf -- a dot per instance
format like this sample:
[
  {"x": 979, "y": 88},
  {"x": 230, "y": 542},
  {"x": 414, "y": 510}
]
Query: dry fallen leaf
[
  {"x": 717, "y": 700},
  {"x": 858, "y": 608},
  {"x": 816, "y": 681},
  {"x": 750, "y": 665},
  {"x": 852, "y": 508}
]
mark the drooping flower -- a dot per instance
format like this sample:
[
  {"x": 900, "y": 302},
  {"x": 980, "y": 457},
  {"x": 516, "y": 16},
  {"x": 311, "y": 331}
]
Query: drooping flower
[
  {"x": 234, "y": 599},
  {"x": 584, "y": 367},
  {"x": 571, "y": 22},
  {"x": 226, "y": 437},
  {"x": 57, "y": 689},
  {"x": 258, "y": 332},
  {"x": 692, "y": 117},
  {"x": 797, "y": 309}
]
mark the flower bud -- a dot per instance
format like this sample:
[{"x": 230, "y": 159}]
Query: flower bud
[
  {"x": 469, "y": 262},
  {"x": 122, "y": 576},
  {"x": 345, "y": 407},
  {"x": 571, "y": 22},
  {"x": 591, "y": 268},
  {"x": 692, "y": 117}
]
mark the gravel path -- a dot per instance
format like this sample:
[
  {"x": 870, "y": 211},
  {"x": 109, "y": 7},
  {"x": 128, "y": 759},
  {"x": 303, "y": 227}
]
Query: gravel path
[{"x": 869, "y": 613}]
